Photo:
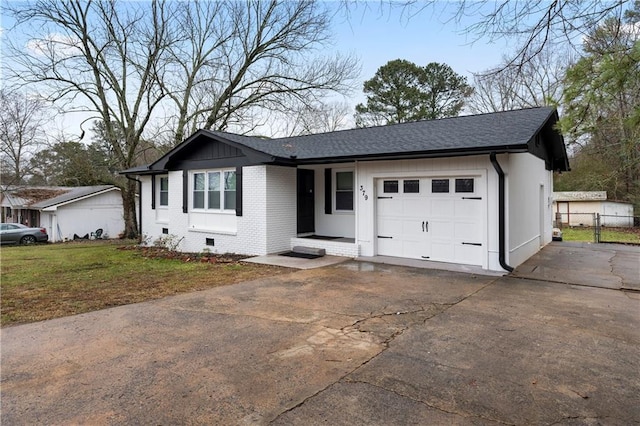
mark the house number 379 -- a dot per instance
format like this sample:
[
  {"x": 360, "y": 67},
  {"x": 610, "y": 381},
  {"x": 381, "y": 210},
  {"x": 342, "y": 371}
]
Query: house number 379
[{"x": 364, "y": 193}]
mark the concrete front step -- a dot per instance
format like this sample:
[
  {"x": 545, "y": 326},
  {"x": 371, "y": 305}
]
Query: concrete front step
[{"x": 309, "y": 250}]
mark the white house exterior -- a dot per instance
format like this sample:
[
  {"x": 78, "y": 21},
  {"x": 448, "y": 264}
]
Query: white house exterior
[
  {"x": 577, "y": 208},
  {"x": 68, "y": 211},
  {"x": 472, "y": 190}
]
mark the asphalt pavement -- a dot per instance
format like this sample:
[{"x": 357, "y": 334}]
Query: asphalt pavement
[{"x": 357, "y": 343}]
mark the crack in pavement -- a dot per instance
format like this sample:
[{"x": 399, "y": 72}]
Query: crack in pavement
[
  {"x": 583, "y": 418},
  {"x": 385, "y": 343},
  {"x": 432, "y": 406}
]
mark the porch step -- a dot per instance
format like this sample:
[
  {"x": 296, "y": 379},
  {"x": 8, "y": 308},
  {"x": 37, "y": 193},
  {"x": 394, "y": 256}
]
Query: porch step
[{"x": 309, "y": 250}]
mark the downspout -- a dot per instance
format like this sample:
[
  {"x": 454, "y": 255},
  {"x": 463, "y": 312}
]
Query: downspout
[
  {"x": 139, "y": 207},
  {"x": 501, "y": 214}
]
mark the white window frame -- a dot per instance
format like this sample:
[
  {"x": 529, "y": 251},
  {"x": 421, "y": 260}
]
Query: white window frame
[
  {"x": 159, "y": 191},
  {"x": 335, "y": 190},
  {"x": 206, "y": 208}
]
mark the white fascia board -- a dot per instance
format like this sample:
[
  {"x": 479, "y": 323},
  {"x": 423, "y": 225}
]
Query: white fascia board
[{"x": 55, "y": 206}]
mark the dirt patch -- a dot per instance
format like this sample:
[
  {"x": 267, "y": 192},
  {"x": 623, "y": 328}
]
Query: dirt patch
[{"x": 163, "y": 253}]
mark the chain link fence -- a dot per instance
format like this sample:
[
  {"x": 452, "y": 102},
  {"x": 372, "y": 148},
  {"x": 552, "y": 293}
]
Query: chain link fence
[{"x": 602, "y": 228}]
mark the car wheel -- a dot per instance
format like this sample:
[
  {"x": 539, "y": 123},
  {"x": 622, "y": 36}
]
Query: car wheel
[{"x": 28, "y": 239}]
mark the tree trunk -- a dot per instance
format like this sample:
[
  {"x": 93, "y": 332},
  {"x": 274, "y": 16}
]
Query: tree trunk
[{"x": 129, "y": 208}]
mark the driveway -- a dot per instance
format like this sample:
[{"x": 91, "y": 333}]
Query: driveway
[{"x": 354, "y": 343}]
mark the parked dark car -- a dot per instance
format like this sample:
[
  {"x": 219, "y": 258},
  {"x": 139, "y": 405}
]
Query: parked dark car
[{"x": 16, "y": 233}]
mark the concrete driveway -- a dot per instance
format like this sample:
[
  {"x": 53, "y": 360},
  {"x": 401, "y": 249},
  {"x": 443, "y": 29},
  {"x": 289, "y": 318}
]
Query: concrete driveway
[{"x": 354, "y": 343}]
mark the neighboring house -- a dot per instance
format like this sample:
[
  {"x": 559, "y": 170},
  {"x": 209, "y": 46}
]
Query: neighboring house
[
  {"x": 472, "y": 190},
  {"x": 65, "y": 211},
  {"x": 579, "y": 208}
]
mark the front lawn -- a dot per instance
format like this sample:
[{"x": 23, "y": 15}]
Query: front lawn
[{"x": 54, "y": 280}]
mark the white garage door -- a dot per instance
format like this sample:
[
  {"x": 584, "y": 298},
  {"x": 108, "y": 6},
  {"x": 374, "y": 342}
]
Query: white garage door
[{"x": 439, "y": 219}]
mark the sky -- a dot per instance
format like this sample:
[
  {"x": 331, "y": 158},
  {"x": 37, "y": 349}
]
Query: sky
[{"x": 377, "y": 34}]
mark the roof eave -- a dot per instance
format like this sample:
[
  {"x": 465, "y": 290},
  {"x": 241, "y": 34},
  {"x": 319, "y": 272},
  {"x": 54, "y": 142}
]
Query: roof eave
[
  {"x": 54, "y": 206},
  {"x": 417, "y": 154}
]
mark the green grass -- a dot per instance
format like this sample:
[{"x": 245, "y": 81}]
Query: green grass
[
  {"x": 54, "y": 280},
  {"x": 618, "y": 235}
]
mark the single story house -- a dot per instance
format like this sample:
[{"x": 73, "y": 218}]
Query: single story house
[
  {"x": 473, "y": 190},
  {"x": 65, "y": 211},
  {"x": 578, "y": 208}
]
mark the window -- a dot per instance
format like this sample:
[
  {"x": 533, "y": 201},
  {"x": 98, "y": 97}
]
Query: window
[
  {"x": 344, "y": 191},
  {"x": 390, "y": 186},
  {"x": 230, "y": 190},
  {"x": 164, "y": 191},
  {"x": 439, "y": 186},
  {"x": 198, "y": 190},
  {"x": 464, "y": 185},
  {"x": 214, "y": 190},
  {"x": 412, "y": 186}
]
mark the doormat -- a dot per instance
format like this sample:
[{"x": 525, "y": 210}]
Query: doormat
[{"x": 300, "y": 255}]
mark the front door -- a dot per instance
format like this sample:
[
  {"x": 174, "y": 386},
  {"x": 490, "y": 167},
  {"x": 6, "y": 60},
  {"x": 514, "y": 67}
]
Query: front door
[{"x": 305, "y": 201}]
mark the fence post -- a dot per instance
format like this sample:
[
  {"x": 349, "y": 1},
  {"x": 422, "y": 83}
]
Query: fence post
[{"x": 596, "y": 230}]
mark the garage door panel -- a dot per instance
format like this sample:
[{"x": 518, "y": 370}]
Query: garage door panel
[
  {"x": 467, "y": 254},
  {"x": 442, "y": 251},
  {"x": 414, "y": 207},
  {"x": 441, "y": 207},
  {"x": 439, "y": 228},
  {"x": 387, "y": 246},
  {"x": 467, "y": 231},
  {"x": 468, "y": 208},
  {"x": 411, "y": 227},
  {"x": 386, "y": 207},
  {"x": 390, "y": 227},
  {"x": 413, "y": 249}
]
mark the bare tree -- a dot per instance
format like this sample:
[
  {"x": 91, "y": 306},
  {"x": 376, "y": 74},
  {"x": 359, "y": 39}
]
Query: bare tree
[
  {"x": 190, "y": 64},
  {"x": 99, "y": 57},
  {"x": 247, "y": 61},
  {"x": 533, "y": 25},
  {"x": 22, "y": 132},
  {"x": 538, "y": 25},
  {"x": 537, "y": 83},
  {"x": 318, "y": 118}
]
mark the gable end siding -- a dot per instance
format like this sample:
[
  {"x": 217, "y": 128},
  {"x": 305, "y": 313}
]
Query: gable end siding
[{"x": 208, "y": 155}]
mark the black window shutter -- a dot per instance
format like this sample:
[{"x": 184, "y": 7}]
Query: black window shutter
[
  {"x": 238, "y": 191},
  {"x": 153, "y": 192},
  {"x": 185, "y": 191},
  {"x": 327, "y": 191}
]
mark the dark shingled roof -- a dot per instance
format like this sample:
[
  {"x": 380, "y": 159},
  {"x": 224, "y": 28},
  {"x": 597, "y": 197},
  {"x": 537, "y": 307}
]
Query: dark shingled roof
[
  {"x": 508, "y": 131},
  {"x": 502, "y": 129}
]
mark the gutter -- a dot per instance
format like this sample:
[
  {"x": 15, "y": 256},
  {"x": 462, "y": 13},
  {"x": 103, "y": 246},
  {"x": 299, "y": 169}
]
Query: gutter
[
  {"x": 501, "y": 214},
  {"x": 139, "y": 207}
]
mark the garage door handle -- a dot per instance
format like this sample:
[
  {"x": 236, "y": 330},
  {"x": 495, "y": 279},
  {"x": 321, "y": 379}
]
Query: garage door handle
[
  {"x": 423, "y": 226},
  {"x": 472, "y": 198},
  {"x": 380, "y": 236},
  {"x": 472, "y": 244}
]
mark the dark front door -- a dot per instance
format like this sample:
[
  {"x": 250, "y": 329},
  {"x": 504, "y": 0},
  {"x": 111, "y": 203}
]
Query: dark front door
[{"x": 305, "y": 204}]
